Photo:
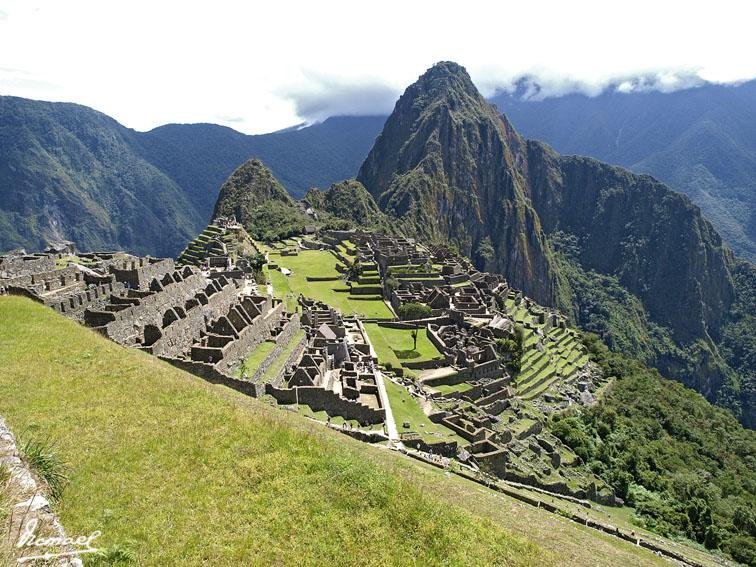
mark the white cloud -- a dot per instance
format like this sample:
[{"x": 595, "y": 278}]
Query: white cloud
[
  {"x": 321, "y": 95},
  {"x": 266, "y": 66}
]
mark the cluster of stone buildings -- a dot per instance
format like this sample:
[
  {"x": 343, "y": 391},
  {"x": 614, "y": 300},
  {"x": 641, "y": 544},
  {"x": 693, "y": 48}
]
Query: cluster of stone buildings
[
  {"x": 209, "y": 322},
  {"x": 66, "y": 286},
  {"x": 336, "y": 372}
]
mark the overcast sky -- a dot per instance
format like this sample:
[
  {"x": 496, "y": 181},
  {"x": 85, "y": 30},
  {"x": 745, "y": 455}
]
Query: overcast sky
[{"x": 263, "y": 66}]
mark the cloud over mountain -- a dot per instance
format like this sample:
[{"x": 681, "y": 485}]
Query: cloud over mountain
[{"x": 322, "y": 95}]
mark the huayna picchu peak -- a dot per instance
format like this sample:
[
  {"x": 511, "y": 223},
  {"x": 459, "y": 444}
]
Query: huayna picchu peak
[
  {"x": 449, "y": 168},
  {"x": 445, "y": 168}
]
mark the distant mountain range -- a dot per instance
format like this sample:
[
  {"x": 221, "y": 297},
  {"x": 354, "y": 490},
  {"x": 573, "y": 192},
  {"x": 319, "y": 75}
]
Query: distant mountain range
[
  {"x": 70, "y": 172},
  {"x": 67, "y": 171}
]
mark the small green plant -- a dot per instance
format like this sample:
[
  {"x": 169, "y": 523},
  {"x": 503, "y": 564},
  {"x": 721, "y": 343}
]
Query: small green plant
[
  {"x": 114, "y": 555},
  {"x": 44, "y": 459}
]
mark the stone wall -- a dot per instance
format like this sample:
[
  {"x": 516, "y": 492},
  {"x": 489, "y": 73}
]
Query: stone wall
[
  {"x": 15, "y": 266},
  {"x": 174, "y": 320},
  {"x": 47, "y": 280},
  {"x": 282, "y": 340},
  {"x": 139, "y": 272},
  {"x": 180, "y": 334},
  {"x": 211, "y": 374},
  {"x": 319, "y": 399},
  {"x": 293, "y": 357},
  {"x": 249, "y": 337},
  {"x": 74, "y": 303}
]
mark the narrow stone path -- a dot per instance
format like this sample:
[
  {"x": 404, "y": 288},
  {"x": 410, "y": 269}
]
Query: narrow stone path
[{"x": 390, "y": 423}]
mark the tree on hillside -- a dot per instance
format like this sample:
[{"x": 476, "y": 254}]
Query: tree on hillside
[
  {"x": 413, "y": 334},
  {"x": 410, "y": 311},
  {"x": 511, "y": 348},
  {"x": 354, "y": 271}
]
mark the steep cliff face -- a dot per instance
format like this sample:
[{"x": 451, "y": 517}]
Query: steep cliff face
[
  {"x": 653, "y": 240},
  {"x": 445, "y": 168}
]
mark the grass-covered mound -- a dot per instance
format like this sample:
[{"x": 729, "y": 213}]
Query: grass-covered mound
[{"x": 183, "y": 473}]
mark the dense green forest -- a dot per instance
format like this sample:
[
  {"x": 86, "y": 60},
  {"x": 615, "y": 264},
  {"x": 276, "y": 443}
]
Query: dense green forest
[{"x": 687, "y": 467}]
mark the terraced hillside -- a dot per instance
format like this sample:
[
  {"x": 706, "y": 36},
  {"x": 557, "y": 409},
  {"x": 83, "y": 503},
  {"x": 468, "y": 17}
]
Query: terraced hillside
[
  {"x": 178, "y": 472},
  {"x": 210, "y": 242},
  {"x": 553, "y": 355},
  {"x": 319, "y": 274}
]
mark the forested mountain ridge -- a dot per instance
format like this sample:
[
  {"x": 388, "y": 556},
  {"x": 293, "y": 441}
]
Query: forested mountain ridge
[
  {"x": 70, "y": 172},
  {"x": 697, "y": 140}
]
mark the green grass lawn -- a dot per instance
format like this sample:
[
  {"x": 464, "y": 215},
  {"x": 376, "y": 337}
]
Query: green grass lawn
[
  {"x": 395, "y": 345},
  {"x": 321, "y": 263},
  {"x": 277, "y": 365},
  {"x": 254, "y": 359},
  {"x": 445, "y": 389},
  {"x": 181, "y": 472},
  {"x": 406, "y": 408}
]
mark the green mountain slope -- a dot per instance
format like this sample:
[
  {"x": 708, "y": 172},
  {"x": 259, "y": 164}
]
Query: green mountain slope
[
  {"x": 179, "y": 472},
  {"x": 348, "y": 201},
  {"x": 68, "y": 172},
  {"x": 260, "y": 203},
  {"x": 448, "y": 167},
  {"x": 688, "y": 468}
]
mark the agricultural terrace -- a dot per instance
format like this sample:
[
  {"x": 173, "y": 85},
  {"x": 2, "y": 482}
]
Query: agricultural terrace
[
  {"x": 395, "y": 345},
  {"x": 322, "y": 264}
]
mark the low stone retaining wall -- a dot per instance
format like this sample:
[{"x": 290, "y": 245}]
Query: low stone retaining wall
[
  {"x": 208, "y": 372},
  {"x": 319, "y": 399}
]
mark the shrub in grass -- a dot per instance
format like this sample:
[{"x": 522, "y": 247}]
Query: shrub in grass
[{"x": 44, "y": 459}]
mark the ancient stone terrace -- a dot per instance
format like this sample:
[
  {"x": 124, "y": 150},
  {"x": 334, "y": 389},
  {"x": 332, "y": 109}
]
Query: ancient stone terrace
[
  {"x": 69, "y": 290},
  {"x": 232, "y": 337},
  {"x": 169, "y": 314}
]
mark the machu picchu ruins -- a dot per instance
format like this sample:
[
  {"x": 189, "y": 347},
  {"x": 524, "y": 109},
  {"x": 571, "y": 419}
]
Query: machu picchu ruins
[{"x": 230, "y": 311}]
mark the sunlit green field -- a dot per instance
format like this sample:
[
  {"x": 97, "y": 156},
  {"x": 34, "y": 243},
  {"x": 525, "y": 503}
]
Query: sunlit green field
[
  {"x": 179, "y": 472},
  {"x": 396, "y": 345},
  {"x": 320, "y": 263}
]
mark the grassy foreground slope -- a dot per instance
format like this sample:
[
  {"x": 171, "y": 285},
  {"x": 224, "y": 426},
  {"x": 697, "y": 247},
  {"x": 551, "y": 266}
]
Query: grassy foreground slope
[{"x": 182, "y": 472}]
